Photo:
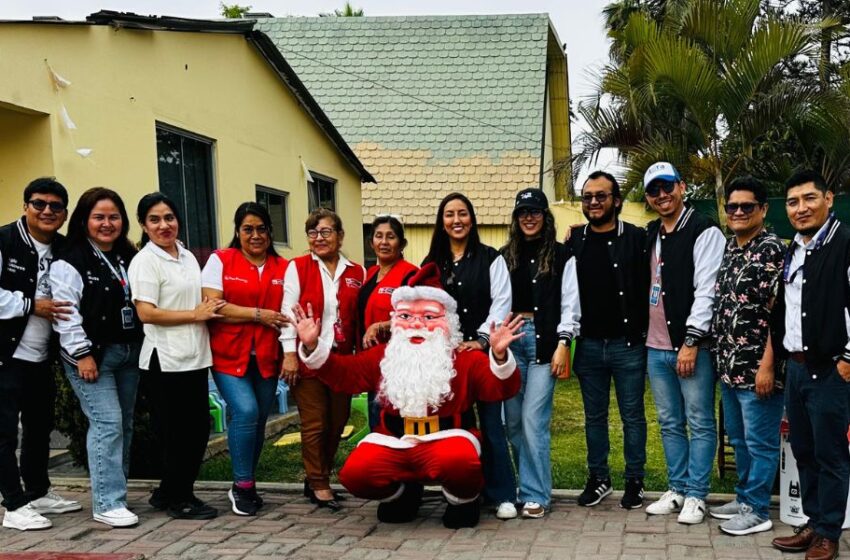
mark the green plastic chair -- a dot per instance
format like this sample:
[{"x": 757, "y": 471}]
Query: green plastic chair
[
  {"x": 360, "y": 403},
  {"x": 217, "y": 414}
]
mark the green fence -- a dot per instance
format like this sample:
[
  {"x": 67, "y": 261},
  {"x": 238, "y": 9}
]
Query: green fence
[{"x": 777, "y": 219}]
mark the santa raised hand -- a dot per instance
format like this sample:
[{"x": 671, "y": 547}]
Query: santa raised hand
[{"x": 427, "y": 432}]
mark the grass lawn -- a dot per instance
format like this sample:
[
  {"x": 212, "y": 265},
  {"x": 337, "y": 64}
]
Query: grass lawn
[{"x": 283, "y": 464}]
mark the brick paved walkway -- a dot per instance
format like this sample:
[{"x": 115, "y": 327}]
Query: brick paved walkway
[{"x": 290, "y": 526}]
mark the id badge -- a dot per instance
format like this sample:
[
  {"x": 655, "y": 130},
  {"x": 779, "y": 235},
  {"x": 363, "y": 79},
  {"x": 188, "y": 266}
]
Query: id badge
[
  {"x": 339, "y": 335},
  {"x": 127, "y": 318},
  {"x": 654, "y": 294}
]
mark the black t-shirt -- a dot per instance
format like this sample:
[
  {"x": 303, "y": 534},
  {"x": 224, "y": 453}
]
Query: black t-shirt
[
  {"x": 522, "y": 290},
  {"x": 601, "y": 316}
]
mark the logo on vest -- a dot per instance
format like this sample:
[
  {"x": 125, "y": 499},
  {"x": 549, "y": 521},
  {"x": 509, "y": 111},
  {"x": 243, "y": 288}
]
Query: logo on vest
[
  {"x": 235, "y": 279},
  {"x": 13, "y": 265},
  {"x": 353, "y": 283},
  {"x": 386, "y": 291},
  {"x": 277, "y": 281}
]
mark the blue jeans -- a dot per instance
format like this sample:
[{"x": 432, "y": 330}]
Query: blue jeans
[
  {"x": 818, "y": 410},
  {"x": 249, "y": 400},
  {"x": 108, "y": 404},
  {"x": 685, "y": 406},
  {"x": 752, "y": 425},
  {"x": 597, "y": 361},
  {"x": 527, "y": 416}
]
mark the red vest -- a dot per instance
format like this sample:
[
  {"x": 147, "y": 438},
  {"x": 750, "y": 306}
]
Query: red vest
[
  {"x": 310, "y": 279},
  {"x": 231, "y": 343},
  {"x": 379, "y": 306}
]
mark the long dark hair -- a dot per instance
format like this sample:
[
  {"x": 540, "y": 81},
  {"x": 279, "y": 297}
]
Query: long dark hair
[
  {"x": 545, "y": 255},
  {"x": 78, "y": 230},
  {"x": 149, "y": 201},
  {"x": 254, "y": 209},
  {"x": 441, "y": 251}
]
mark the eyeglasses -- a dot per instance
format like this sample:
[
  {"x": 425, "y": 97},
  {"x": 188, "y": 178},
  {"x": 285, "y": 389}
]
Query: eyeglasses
[
  {"x": 654, "y": 188},
  {"x": 599, "y": 197},
  {"x": 745, "y": 207},
  {"x": 251, "y": 230},
  {"x": 40, "y": 205},
  {"x": 526, "y": 212},
  {"x": 324, "y": 232},
  {"x": 409, "y": 318}
]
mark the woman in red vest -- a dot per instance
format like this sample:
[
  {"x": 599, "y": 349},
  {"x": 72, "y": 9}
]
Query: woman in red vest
[
  {"x": 374, "y": 302},
  {"x": 246, "y": 355},
  {"x": 328, "y": 283}
]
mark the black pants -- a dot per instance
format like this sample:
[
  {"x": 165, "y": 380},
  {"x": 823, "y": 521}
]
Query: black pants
[
  {"x": 28, "y": 392},
  {"x": 180, "y": 408},
  {"x": 818, "y": 412}
]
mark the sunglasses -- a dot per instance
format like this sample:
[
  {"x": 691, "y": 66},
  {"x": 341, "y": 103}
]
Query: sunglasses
[
  {"x": 40, "y": 205},
  {"x": 599, "y": 197},
  {"x": 745, "y": 207},
  {"x": 654, "y": 188},
  {"x": 526, "y": 212}
]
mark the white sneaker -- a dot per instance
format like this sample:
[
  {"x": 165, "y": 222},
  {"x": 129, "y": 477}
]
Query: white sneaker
[
  {"x": 669, "y": 502},
  {"x": 25, "y": 518},
  {"x": 54, "y": 503},
  {"x": 693, "y": 511},
  {"x": 506, "y": 510},
  {"x": 118, "y": 517}
]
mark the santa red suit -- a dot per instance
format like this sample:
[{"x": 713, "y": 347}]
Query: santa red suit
[{"x": 426, "y": 433}]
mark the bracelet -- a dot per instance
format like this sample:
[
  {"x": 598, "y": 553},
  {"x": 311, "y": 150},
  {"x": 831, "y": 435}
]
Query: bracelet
[{"x": 256, "y": 314}]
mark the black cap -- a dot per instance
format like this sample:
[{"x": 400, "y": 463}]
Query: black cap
[{"x": 532, "y": 198}]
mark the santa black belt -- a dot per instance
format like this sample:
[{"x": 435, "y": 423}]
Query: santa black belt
[{"x": 428, "y": 425}]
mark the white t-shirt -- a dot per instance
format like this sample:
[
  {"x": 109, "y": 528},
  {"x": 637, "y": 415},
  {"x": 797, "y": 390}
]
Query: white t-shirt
[
  {"x": 173, "y": 284},
  {"x": 34, "y": 341}
]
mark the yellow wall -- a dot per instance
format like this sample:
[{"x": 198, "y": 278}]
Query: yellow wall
[
  {"x": 125, "y": 81},
  {"x": 569, "y": 213}
]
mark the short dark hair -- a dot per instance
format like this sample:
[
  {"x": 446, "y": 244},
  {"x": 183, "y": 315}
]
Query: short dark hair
[
  {"x": 748, "y": 183},
  {"x": 149, "y": 201},
  {"x": 78, "y": 223},
  {"x": 318, "y": 215},
  {"x": 395, "y": 225},
  {"x": 615, "y": 186},
  {"x": 46, "y": 185},
  {"x": 254, "y": 209},
  {"x": 806, "y": 176}
]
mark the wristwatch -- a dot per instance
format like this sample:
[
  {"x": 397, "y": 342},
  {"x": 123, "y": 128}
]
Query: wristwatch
[{"x": 691, "y": 341}]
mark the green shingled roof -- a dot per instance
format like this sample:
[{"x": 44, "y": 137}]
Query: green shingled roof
[{"x": 415, "y": 97}]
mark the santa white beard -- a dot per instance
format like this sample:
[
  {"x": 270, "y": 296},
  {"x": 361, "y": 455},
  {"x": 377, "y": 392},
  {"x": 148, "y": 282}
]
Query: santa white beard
[{"x": 416, "y": 378}]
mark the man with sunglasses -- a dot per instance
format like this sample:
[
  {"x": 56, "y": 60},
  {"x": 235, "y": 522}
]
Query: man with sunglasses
[
  {"x": 685, "y": 251},
  {"x": 810, "y": 327},
  {"x": 612, "y": 283},
  {"x": 750, "y": 390},
  {"x": 27, "y": 388}
]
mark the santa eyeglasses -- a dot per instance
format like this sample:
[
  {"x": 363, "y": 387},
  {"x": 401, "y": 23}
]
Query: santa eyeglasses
[{"x": 411, "y": 318}]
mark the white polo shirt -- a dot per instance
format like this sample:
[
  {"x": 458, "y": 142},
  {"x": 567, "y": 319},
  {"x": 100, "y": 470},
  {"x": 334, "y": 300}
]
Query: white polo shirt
[{"x": 173, "y": 284}]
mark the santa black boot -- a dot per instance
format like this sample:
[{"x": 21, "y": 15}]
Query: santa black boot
[
  {"x": 462, "y": 515},
  {"x": 403, "y": 509}
]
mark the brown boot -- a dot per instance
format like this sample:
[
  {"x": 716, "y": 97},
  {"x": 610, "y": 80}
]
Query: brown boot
[
  {"x": 800, "y": 541},
  {"x": 822, "y": 549}
]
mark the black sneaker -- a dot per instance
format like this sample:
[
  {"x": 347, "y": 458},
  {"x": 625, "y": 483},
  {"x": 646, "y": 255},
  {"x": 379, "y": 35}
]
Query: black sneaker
[
  {"x": 633, "y": 495},
  {"x": 241, "y": 502},
  {"x": 193, "y": 509},
  {"x": 158, "y": 500},
  {"x": 255, "y": 497},
  {"x": 595, "y": 489}
]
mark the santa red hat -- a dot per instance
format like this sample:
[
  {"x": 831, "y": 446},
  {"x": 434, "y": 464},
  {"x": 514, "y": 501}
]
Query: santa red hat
[{"x": 425, "y": 284}]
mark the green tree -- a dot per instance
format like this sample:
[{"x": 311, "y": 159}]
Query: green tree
[
  {"x": 233, "y": 11},
  {"x": 347, "y": 11},
  {"x": 700, "y": 83}
]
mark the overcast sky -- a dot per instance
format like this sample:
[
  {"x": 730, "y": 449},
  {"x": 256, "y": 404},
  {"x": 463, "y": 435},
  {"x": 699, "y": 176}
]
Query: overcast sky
[{"x": 578, "y": 22}]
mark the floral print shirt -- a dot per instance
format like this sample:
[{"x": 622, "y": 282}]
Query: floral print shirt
[{"x": 746, "y": 284}]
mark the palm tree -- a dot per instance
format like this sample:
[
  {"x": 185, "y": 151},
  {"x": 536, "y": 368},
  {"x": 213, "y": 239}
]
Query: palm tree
[{"x": 699, "y": 83}]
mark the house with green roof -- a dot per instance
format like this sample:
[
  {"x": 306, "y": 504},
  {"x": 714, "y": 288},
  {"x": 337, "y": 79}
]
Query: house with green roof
[{"x": 435, "y": 104}]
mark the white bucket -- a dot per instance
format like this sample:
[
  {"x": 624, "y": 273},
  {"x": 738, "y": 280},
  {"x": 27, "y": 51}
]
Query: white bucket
[{"x": 790, "y": 500}]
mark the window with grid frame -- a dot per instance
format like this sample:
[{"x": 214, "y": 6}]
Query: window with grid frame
[
  {"x": 321, "y": 192},
  {"x": 276, "y": 202}
]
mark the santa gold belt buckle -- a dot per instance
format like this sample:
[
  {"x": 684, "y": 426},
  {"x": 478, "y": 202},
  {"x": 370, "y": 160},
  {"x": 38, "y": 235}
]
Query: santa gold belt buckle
[{"x": 421, "y": 426}]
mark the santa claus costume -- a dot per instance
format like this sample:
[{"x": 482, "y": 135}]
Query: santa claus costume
[{"x": 426, "y": 433}]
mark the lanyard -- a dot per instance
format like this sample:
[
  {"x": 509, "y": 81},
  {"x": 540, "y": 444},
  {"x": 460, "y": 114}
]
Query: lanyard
[
  {"x": 119, "y": 274},
  {"x": 658, "y": 261},
  {"x": 819, "y": 241}
]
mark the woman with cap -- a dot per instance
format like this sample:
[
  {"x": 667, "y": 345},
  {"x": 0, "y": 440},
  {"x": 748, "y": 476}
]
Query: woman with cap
[
  {"x": 541, "y": 272},
  {"x": 476, "y": 276}
]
